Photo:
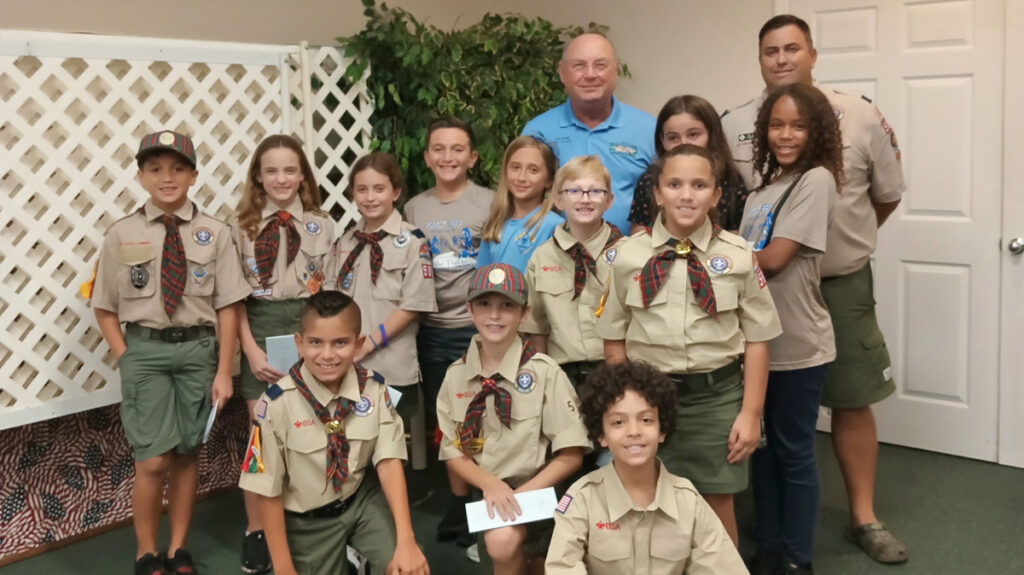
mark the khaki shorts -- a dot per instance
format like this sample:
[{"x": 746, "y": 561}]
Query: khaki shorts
[
  {"x": 861, "y": 373},
  {"x": 267, "y": 318},
  {"x": 165, "y": 394},
  {"x": 699, "y": 447},
  {"x": 318, "y": 545}
]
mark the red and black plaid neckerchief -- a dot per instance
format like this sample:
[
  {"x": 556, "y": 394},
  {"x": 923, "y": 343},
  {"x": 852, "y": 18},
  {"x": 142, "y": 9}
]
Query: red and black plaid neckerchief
[
  {"x": 337, "y": 443},
  {"x": 269, "y": 241},
  {"x": 584, "y": 261},
  {"x": 502, "y": 405},
  {"x": 376, "y": 254},
  {"x": 656, "y": 269}
]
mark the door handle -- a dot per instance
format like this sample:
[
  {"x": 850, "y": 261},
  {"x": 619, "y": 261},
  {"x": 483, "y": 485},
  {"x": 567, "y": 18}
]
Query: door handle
[{"x": 1016, "y": 246}]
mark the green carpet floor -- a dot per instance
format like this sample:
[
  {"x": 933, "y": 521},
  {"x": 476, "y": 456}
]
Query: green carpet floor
[{"x": 958, "y": 516}]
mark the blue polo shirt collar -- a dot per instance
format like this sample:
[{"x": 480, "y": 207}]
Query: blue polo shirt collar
[{"x": 614, "y": 120}]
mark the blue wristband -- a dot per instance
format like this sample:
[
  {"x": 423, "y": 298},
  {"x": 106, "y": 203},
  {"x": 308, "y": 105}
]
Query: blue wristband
[{"x": 383, "y": 336}]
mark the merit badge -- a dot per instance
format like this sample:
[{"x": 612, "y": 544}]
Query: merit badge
[
  {"x": 333, "y": 426},
  {"x": 609, "y": 256},
  {"x": 140, "y": 276},
  {"x": 364, "y": 406},
  {"x": 312, "y": 227},
  {"x": 719, "y": 264},
  {"x": 199, "y": 273},
  {"x": 253, "y": 268},
  {"x": 346, "y": 282},
  {"x": 401, "y": 240},
  {"x": 496, "y": 276},
  {"x": 166, "y": 139},
  {"x": 524, "y": 382},
  {"x": 202, "y": 236},
  {"x": 563, "y": 504},
  {"x": 315, "y": 282}
]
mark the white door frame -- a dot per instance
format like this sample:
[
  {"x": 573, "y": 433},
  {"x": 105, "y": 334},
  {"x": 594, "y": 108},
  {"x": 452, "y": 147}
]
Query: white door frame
[{"x": 1011, "y": 364}]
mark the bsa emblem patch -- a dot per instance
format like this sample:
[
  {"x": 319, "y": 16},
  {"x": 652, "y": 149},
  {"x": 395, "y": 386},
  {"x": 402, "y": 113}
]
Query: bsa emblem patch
[
  {"x": 346, "y": 282},
  {"x": 401, "y": 240},
  {"x": 363, "y": 407},
  {"x": 719, "y": 264},
  {"x": 199, "y": 273},
  {"x": 202, "y": 236},
  {"x": 609, "y": 255},
  {"x": 139, "y": 276},
  {"x": 312, "y": 227},
  {"x": 253, "y": 268},
  {"x": 525, "y": 382}
]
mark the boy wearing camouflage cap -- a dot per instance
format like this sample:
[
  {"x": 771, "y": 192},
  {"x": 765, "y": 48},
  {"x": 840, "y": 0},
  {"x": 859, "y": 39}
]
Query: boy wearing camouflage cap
[
  {"x": 171, "y": 274},
  {"x": 509, "y": 416}
]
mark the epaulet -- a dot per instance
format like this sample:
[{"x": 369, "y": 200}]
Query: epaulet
[
  {"x": 375, "y": 376},
  {"x": 731, "y": 238},
  {"x": 274, "y": 391},
  {"x": 544, "y": 358},
  {"x": 416, "y": 232},
  {"x": 866, "y": 99}
]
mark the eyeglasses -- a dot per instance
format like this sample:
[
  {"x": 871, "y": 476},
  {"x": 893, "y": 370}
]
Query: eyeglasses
[{"x": 576, "y": 193}]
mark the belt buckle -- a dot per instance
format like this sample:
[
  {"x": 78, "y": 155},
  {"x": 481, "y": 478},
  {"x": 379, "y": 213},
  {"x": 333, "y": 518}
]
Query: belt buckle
[{"x": 175, "y": 334}]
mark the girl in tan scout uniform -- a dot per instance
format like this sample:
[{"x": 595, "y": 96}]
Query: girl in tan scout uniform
[
  {"x": 171, "y": 274},
  {"x": 693, "y": 319},
  {"x": 565, "y": 277},
  {"x": 384, "y": 264},
  {"x": 283, "y": 238},
  {"x": 633, "y": 516},
  {"x": 799, "y": 153},
  {"x": 509, "y": 417}
]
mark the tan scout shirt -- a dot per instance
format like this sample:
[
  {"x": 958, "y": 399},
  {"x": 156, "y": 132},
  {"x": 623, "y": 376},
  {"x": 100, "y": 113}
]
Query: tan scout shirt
[
  {"x": 294, "y": 442},
  {"x": 306, "y": 272},
  {"x": 128, "y": 271},
  {"x": 602, "y": 532},
  {"x": 568, "y": 323},
  {"x": 871, "y": 166},
  {"x": 545, "y": 413},
  {"x": 674, "y": 334},
  {"x": 405, "y": 282}
]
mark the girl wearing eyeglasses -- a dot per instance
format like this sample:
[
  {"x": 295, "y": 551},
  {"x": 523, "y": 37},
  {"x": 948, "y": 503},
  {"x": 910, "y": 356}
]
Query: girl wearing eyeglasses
[{"x": 521, "y": 218}]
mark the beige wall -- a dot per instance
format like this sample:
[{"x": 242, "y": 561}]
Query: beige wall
[{"x": 671, "y": 46}]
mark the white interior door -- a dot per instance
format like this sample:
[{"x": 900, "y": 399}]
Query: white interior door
[
  {"x": 935, "y": 69},
  {"x": 1011, "y": 380}
]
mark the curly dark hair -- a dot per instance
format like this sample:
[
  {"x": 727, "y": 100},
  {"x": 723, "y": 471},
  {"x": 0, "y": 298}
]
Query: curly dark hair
[
  {"x": 824, "y": 140},
  {"x": 608, "y": 384}
]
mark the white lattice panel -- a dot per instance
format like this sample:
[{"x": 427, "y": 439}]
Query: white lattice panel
[
  {"x": 340, "y": 125},
  {"x": 73, "y": 109}
]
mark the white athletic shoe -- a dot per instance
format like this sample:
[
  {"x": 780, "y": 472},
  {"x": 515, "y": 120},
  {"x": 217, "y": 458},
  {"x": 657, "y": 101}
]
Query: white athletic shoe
[{"x": 472, "y": 553}]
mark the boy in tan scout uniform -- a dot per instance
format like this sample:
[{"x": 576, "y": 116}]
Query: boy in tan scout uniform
[
  {"x": 693, "y": 320},
  {"x": 501, "y": 407},
  {"x": 316, "y": 431},
  {"x": 633, "y": 516},
  {"x": 171, "y": 274},
  {"x": 565, "y": 276}
]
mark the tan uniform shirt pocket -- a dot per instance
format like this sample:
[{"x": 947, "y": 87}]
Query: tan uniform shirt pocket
[
  {"x": 201, "y": 270},
  {"x": 139, "y": 274},
  {"x": 610, "y": 551}
]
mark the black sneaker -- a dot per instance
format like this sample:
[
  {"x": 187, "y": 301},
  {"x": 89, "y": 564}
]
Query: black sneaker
[
  {"x": 794, "y": 569},
  {"x": 255, "y": 555},
  {"x": 149, "y": 564},
  {"x": 454, "y": 523},
  {"x": 181, "y": 563},
  {"x": 765, "y": 564}
]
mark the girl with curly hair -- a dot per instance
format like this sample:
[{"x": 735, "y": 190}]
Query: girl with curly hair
[{"x": 798, "y": 153}]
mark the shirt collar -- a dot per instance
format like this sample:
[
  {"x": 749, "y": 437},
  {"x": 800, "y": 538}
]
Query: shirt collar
[
  {"x": 349, "y": 386},
  {"x": 392, "y": 225},
  {"x": 294, "y": 208},
  {"x": 509, "y": 367},
  {"x": 700, "y": 238},
  {"x": 614, "y": 120},
  {"x": 185, "y": 212},
  {"x": 594, "y": 244},
  {"x": 619, "y": 503}
]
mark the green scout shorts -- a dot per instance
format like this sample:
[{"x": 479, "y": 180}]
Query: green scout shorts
[
  {"x": 267, "y": 318},
  {"x": 318, "y": 545},
  {"x": 165, "y": 393},
  {"x": 699, "y": 447},
  {"x": 861, "y": 373}
]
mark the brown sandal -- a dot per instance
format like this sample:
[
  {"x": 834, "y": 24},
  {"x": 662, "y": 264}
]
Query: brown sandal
[{"x": 878, "y": 543}]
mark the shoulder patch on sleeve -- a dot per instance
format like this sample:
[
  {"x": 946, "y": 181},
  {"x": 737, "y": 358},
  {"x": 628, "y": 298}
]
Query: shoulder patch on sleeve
[
  {"x": 274, "y": 391},
  {"x": 375, "y": 376}
]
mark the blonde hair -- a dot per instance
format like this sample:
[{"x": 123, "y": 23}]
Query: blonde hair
[
  {"x": 254, "y": 197},
  {"x": 502, "y": 206},
  {"x": 581, "y": 167}
]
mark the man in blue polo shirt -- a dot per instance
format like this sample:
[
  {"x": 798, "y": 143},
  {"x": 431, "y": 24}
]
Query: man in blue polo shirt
[{"x": 592, "y": 121}]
